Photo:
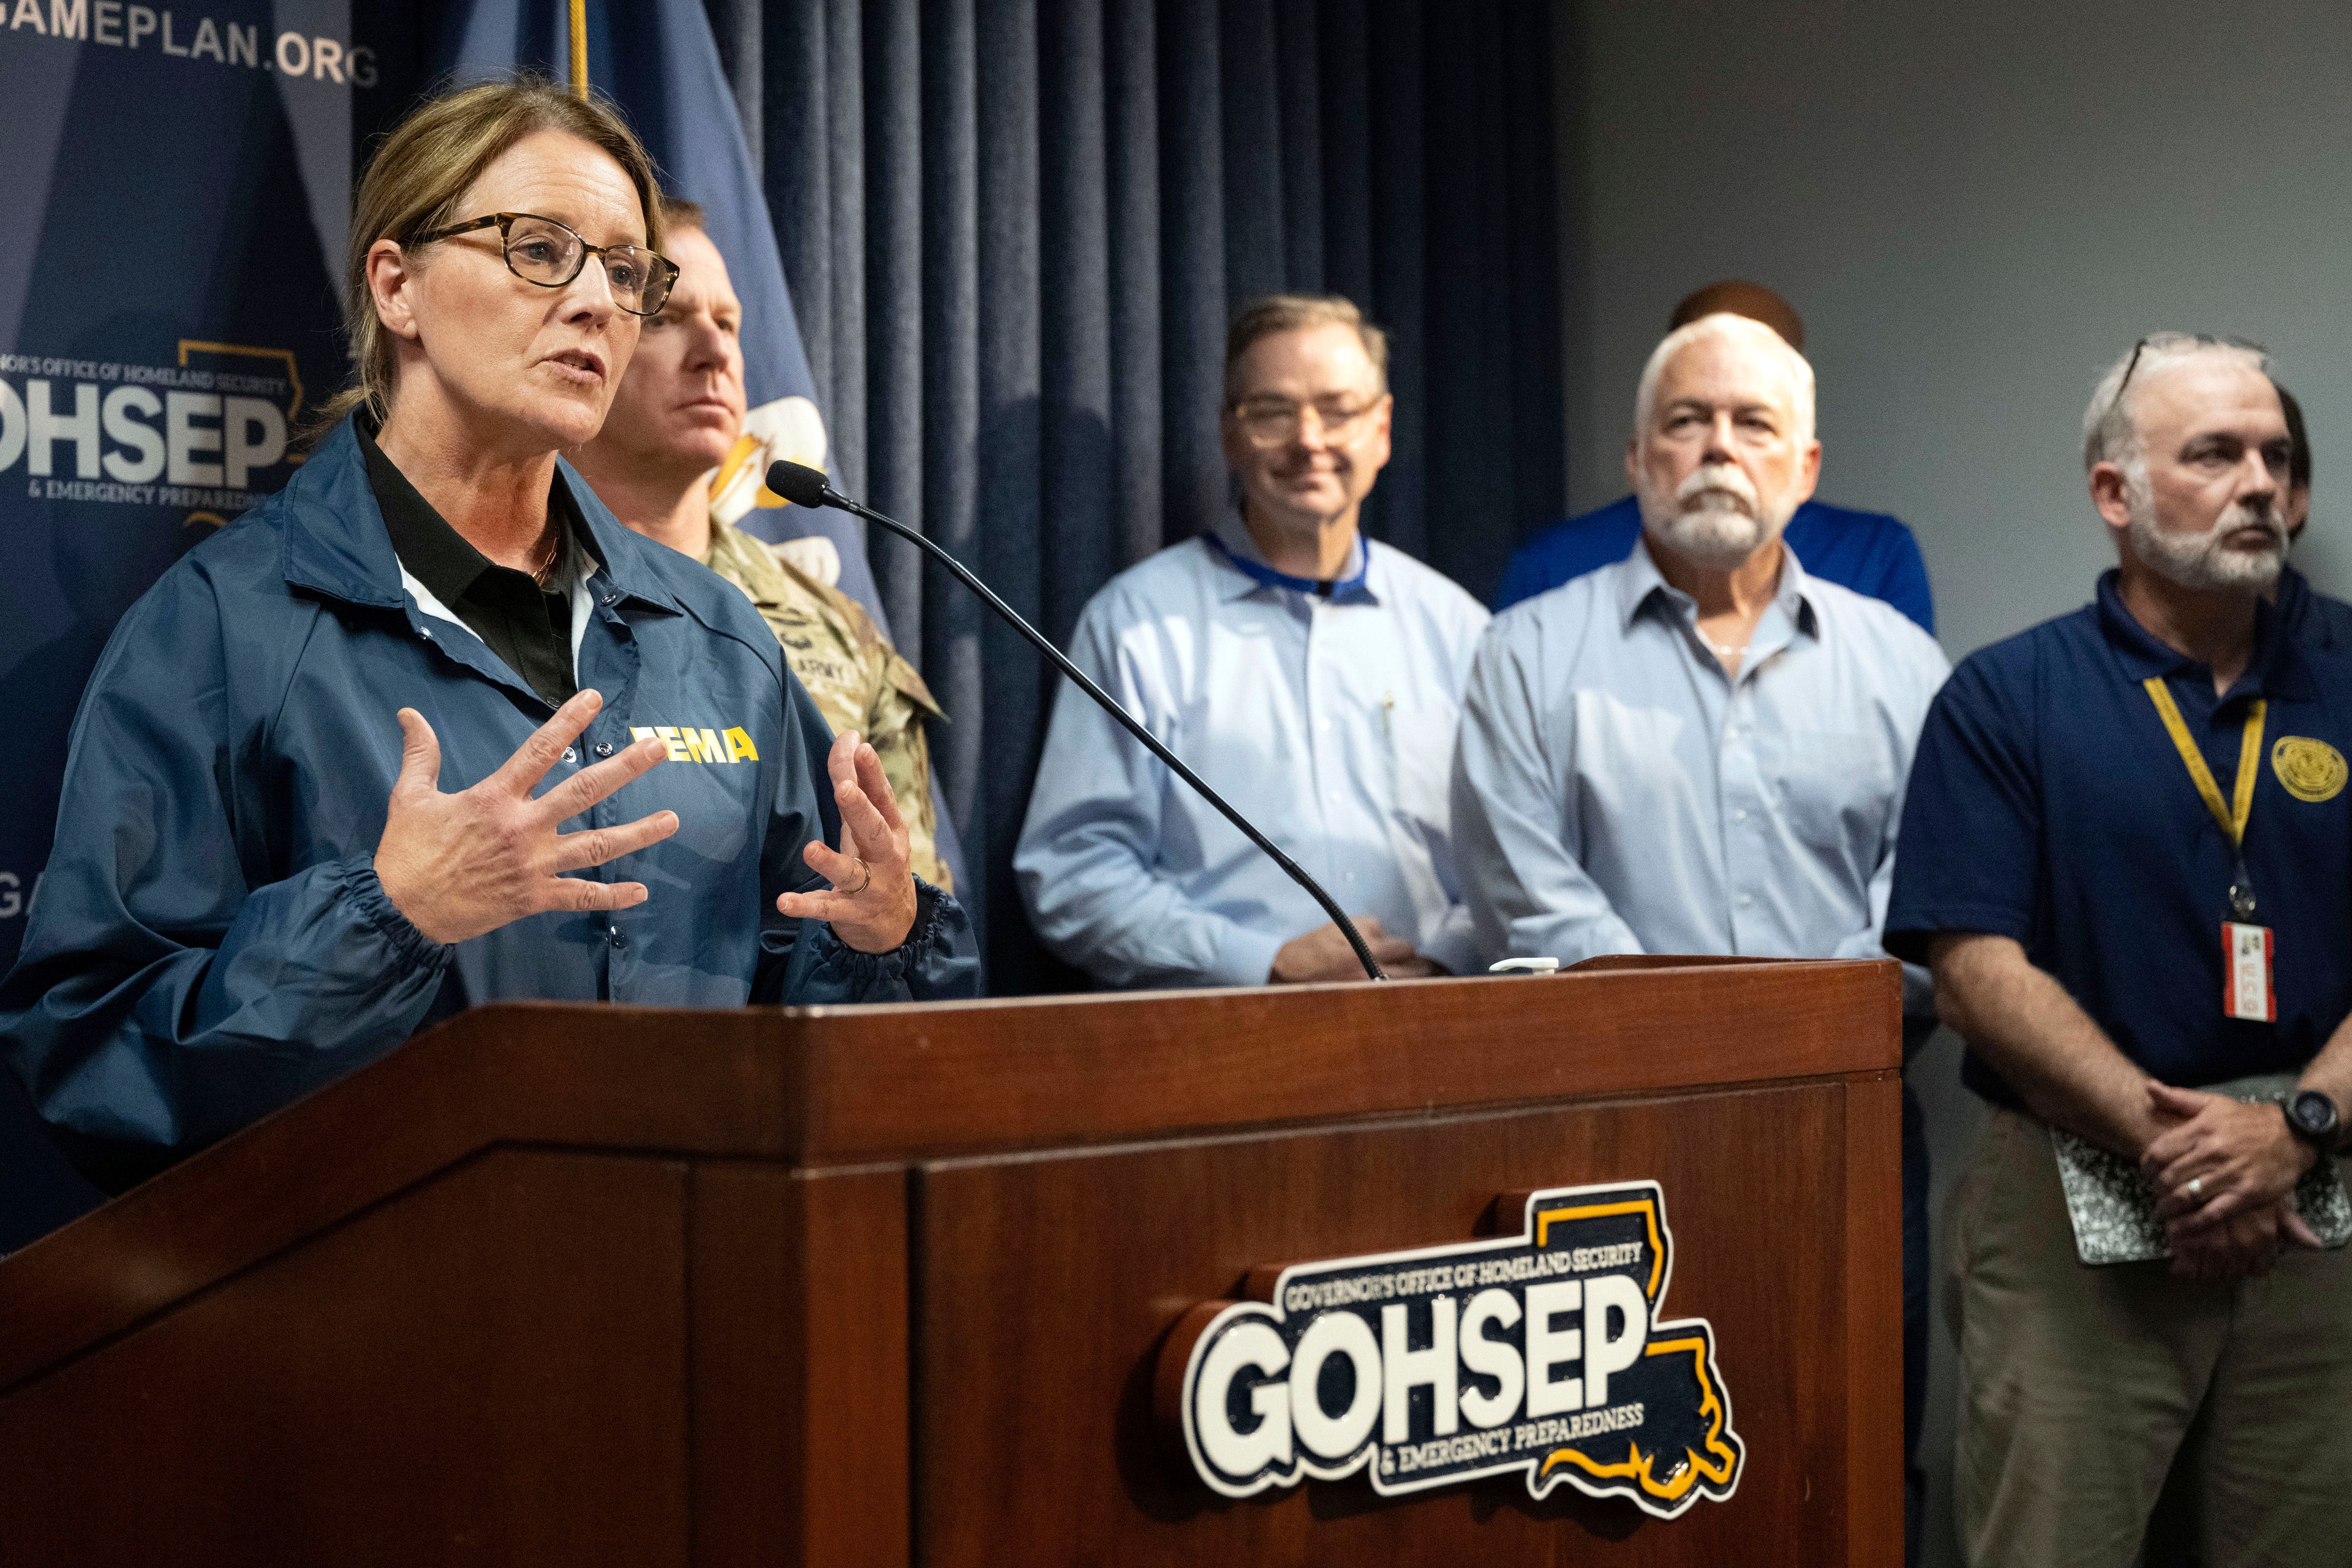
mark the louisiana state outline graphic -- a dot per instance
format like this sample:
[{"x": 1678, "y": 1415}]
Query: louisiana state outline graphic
[{"x": 1543, "y": 1354}]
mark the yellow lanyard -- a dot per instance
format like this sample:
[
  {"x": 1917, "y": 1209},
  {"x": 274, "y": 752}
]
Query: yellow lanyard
[{"x": 2233, "y": 816}]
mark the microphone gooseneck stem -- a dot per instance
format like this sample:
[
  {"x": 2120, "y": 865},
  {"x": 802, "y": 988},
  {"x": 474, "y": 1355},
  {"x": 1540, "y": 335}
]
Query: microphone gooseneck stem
[{"x": 1176, "y": 764}]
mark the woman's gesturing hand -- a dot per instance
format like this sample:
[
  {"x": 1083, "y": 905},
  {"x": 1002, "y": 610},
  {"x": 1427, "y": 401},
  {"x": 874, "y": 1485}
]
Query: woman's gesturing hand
[
  {"x": 459, "y": 865},
  {"x": 871, "y": 904}
]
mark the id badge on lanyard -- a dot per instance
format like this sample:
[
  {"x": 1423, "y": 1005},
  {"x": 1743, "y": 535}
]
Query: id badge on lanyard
[{"x": 2247, "y": 948}]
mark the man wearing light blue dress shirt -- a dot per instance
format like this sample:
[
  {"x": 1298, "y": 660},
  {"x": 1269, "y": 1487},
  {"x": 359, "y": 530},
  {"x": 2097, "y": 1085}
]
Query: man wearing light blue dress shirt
[
  {"x": 1701, "y": 748},
  {"x": 1311, "y": 676}
]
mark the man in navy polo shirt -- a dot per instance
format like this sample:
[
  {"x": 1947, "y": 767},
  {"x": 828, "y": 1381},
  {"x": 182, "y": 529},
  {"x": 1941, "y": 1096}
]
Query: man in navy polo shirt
[
  {"x": 2128, "y": 859},
  {"x": 1868, "y": 552}
]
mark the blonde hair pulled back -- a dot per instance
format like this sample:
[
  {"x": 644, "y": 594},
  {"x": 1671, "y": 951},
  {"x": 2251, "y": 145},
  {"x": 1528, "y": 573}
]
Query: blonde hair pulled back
[{"x": 422, "y": 170}]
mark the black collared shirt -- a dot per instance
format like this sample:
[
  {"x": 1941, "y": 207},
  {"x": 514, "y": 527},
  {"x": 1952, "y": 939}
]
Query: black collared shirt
[{"x": 528, "y": 627}]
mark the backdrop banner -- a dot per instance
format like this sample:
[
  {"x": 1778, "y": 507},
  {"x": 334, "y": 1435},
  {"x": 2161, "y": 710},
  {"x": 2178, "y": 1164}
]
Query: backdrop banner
[{"x": 177, "y": 183}]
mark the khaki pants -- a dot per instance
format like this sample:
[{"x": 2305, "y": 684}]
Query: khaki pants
[{"x": 2076, "y": 1384}]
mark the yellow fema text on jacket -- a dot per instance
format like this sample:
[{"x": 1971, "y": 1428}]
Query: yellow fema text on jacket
[
  {"x": 689, "y": 744},
  {"x": 858, "y": 680}
]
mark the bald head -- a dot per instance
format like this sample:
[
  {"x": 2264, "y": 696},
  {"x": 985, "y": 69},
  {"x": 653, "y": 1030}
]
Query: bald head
[{"x": 1737, "y": 297}]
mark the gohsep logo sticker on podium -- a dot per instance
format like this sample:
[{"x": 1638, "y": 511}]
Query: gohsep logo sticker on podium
[{"x": 1543, "y": 1352}]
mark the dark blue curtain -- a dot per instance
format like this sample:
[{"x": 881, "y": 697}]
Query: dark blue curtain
[{"x": 1014, "y": 230}]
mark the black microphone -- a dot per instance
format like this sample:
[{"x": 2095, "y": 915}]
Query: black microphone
[{"x": 803, "y": 486}]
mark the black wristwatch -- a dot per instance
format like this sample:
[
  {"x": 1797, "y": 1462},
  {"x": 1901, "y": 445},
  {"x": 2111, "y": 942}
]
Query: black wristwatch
[{"x": 2311, "y": 1116}]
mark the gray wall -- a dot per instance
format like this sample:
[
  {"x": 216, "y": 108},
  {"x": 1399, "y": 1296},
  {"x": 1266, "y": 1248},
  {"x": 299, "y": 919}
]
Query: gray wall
[{"x": 1975, "y": 206}]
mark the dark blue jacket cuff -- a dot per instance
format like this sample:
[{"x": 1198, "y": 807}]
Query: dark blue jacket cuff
[{"x": 939, "y": 959}]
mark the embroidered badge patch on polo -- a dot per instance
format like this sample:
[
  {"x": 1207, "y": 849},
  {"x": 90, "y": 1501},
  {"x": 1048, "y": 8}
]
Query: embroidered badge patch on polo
[{"x": 2311, "y": 769}]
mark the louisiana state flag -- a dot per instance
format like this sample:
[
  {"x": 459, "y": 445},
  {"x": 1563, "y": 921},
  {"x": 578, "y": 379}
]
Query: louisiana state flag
[{"x": 658, "y": 60}]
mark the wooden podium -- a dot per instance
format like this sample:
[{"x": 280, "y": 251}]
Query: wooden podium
[{"x": 564, "y": 1286}]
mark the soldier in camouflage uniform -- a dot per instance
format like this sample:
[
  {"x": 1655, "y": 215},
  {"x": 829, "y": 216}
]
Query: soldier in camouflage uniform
[
  {"x": 859, "y": 681},
  {"x": 674, "y": 440}
]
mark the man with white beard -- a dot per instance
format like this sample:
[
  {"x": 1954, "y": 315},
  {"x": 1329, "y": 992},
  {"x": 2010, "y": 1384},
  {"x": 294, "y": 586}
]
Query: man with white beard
[
  {"x": 1700, "y": 749},
  {"x": 2128, "y": 860}
]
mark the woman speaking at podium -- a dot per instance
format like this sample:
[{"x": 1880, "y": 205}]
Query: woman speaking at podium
[{"x": 429, "y": 728}]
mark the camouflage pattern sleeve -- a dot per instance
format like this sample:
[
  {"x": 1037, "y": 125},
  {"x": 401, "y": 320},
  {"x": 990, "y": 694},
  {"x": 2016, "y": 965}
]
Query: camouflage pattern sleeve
[{"x": 857, "y": 679}]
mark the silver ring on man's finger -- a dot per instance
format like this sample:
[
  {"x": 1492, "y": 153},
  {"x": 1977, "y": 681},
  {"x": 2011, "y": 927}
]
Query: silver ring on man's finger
[
  {"x": 2196, "y": 1183},
  {"x": 865, "y": 878}
]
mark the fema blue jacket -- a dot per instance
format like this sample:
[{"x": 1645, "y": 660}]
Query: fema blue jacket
[{"x": 210, "y": 940}]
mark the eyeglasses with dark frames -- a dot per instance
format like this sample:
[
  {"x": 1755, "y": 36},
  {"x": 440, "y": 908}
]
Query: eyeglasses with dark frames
[{"x": 542, "y": 251}]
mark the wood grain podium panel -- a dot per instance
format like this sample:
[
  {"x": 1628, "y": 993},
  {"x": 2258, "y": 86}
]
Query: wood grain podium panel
[
  {"x": 816, "y": 1088},
  {"x": 1874, "y": 1229},
  {"x": 875, "y": 1287},
  {"x": 800, "y": 1367},
  {"x": 1048, "y": 1283},
  {"x": 486, "y": 1370}
]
